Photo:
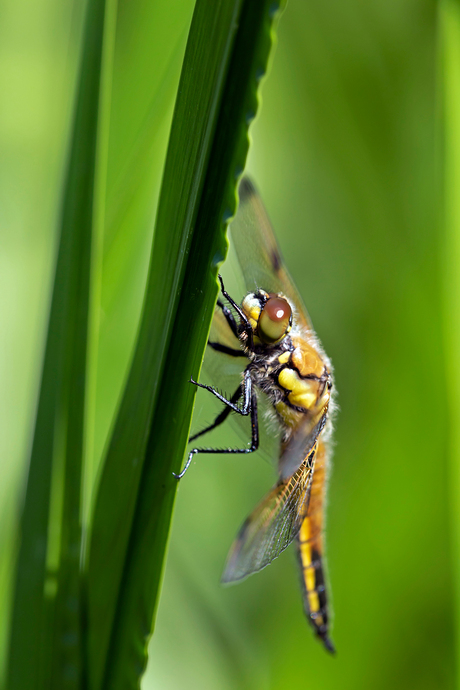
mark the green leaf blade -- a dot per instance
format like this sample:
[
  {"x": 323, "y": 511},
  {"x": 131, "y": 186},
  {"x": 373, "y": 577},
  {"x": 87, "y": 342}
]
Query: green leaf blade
[
  {"x": 449, "y": 43},
  {"x": 116, "y": 501},
  {"x": 43, "y": 623},
  {"x": 137, "y": 488}
]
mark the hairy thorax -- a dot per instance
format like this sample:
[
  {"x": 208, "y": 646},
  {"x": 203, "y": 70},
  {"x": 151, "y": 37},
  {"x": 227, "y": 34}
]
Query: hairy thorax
[{"x": 295, "y": 378}]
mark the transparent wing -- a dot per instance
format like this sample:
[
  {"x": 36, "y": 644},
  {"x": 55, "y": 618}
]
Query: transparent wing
[
  {"x": 273, "y": 524},
  {"x": 258, "y": 264},
  {"x": 258, "y": 252},
  {"x": 225, "y": 372},
  {"x": 301, "y": 443},
  {"x": 222, "y": 333}
]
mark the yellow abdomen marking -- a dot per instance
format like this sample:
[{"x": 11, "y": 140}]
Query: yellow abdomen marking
[
  {"x": 313, "y": 601},
  {"x": 310, "y": 579},
  {"x": 309, "y": 572},
  {"x": 306, "y": 553}
]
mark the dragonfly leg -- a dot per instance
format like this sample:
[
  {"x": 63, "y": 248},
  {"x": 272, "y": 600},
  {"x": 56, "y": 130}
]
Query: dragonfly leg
[
  {"x": 251, "y": 409},
  {"x": 230, "y": 318},
  {"x": 222, "y": 416},
  {"x": 246, "y": 393},
  {"x": 226, "y": 350}
]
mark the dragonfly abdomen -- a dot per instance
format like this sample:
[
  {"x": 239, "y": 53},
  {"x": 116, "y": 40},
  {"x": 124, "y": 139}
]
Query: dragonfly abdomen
[
  {"x": 310, "y": 553},
  {"x": 315, "y": 598}
]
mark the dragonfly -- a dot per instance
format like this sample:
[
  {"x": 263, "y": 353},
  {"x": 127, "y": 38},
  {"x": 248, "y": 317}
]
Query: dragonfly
[{"x": 285, "y": 367}]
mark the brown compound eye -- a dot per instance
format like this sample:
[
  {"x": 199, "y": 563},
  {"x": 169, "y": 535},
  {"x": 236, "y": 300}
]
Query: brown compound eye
[{"x": 274, "y": 320}]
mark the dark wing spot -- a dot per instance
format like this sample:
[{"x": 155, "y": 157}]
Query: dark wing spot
[
  {"x": 276, "y": 260},
  {"x": 246, "y": 189}
]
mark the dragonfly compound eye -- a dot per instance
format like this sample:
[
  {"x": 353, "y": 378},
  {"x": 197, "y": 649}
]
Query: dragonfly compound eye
[{"x": 275, "y": 320}]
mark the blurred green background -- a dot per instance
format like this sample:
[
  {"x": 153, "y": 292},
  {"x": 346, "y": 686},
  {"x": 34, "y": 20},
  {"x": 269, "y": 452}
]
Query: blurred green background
[{"x": 344, "y": 155}]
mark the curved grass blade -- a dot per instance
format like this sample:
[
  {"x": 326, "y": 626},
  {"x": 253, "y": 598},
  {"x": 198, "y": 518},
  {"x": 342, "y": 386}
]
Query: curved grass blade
[
  {"x": 45, "y": 640},
  {"x": 449, "y": 26},
  {"x": 226, "y": 56}
]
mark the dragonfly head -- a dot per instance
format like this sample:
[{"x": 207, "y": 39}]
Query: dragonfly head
[{"x": 270, "y": 316}]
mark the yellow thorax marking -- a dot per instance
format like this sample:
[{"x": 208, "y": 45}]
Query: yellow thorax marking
[
  {"x": 303, "y": 393},
  {"x": 284, "y": 358},
  {"x": 290, "y": 417}
]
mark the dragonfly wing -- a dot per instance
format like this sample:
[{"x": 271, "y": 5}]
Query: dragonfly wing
[
  {"x": 258, "y": 253},
  {"x": 223, "y": 369},
  {"x": 221, "y": 331},
  {"x": 301, "y": 442},
  {"x": 225, "y": 372},
  {"x": 273, "y": 524}
]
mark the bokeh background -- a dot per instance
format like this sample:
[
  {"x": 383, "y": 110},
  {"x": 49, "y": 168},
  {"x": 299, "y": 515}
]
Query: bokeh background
[{"x": 344, "y": 154}]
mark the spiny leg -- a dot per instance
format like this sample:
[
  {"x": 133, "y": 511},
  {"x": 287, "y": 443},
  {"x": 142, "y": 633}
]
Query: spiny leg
[
  {"x": 232, "y": 352},
  {"x": 235, "y": 329},
  {"x": 226, "y": 350},
  {"x": 222, "y": 416},
  {"x": 249, "y": 408},
  {"x": 230, "y": 318},
  {"x": 246, "y": 393},
  {"x": 219, "y": 347}
]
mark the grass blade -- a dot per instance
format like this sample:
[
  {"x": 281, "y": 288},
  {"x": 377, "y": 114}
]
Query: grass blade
[
  {"x": 45, "y": 639},
  {"x": 450, "y": 83},
  {"x": 226, "y": 55}
]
